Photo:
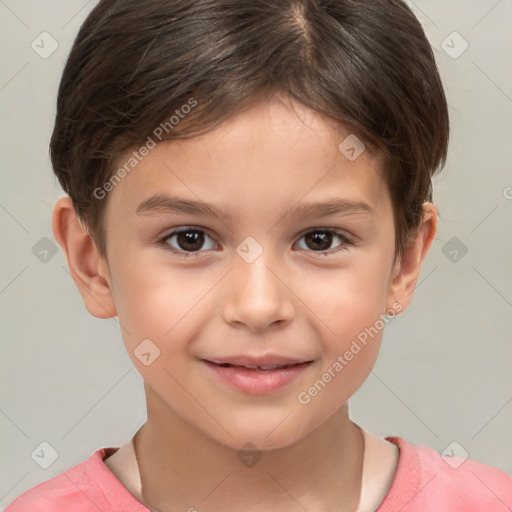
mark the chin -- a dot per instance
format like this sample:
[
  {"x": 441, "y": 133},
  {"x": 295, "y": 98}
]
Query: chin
[{"x": 263, "y": 431}]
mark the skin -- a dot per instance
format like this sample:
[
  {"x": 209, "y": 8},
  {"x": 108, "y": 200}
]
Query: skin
[{"x": 292, "y": 300}]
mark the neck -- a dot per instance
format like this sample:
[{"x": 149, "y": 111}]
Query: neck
[{"x": 183, "y": 469}]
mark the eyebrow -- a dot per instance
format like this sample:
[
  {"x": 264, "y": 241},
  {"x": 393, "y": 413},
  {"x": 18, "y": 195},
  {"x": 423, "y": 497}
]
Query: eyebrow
[{"x": 160, "y": 203}]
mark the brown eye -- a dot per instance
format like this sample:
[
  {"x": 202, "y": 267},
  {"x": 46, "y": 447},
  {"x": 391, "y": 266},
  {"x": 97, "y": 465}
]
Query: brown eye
[
  {"x": 187, "y": 241},
  {"x": 190, "y": 240},
  {"x": 321, "y": 241}
]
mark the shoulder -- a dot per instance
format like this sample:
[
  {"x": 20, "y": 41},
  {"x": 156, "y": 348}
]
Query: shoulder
[
  {"x": 75, "y": 489},
  {"x": 427, "y": 481}
]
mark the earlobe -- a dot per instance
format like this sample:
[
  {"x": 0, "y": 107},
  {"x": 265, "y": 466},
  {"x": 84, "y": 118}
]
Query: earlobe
[
  {"x": 85, "y": 265},
  {"x": 405, "y": 273}
]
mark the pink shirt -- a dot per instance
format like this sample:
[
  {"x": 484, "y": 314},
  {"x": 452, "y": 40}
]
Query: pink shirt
[{"x": 424, "y": 482}]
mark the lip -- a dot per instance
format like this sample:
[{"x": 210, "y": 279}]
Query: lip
[{"x": 240, "y": 372}]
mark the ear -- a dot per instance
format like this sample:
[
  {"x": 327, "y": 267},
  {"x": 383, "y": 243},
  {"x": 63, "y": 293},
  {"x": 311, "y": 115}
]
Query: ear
[
  {"x": 406, "y": 272},
  {"x": 88, "y": 269}
]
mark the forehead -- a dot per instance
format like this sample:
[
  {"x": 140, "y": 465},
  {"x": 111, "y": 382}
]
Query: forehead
[{"x": 276, "y": 153}]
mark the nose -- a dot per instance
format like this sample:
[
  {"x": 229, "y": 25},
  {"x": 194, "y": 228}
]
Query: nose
[{"x": 257, "y": 297}]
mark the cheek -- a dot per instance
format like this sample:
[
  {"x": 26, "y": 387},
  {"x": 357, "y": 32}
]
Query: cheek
[
  {"x": 350, "y": 300},
  {"x": 351, "y": 305},
  {"x": 150, "y": 301},
  {"x": 352, "y": 311},
  {"x": 163, "y": 304}
]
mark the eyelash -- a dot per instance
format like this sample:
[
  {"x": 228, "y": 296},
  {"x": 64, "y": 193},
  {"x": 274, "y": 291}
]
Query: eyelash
[{"x": 344, "y": 246}]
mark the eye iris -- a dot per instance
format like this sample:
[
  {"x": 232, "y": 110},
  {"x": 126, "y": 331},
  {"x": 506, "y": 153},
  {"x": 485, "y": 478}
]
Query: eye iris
[
  {"x": 320, "y": 238},
  {"x": 194, "y": 238}
]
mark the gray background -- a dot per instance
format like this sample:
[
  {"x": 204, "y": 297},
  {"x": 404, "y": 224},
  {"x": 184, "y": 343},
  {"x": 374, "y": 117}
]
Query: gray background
[{"x": 444, "y": 368}]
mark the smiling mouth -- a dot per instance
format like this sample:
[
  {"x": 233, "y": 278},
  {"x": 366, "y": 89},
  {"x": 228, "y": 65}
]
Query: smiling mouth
[{"x": 253, "y": 377}]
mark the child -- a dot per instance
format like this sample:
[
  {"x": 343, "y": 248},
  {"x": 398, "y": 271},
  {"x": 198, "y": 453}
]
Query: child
[{"x": 256, "y": 131}]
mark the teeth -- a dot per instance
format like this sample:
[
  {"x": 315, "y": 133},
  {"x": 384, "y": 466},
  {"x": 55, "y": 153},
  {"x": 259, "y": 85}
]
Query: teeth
[{"x": 269, "y": 367}]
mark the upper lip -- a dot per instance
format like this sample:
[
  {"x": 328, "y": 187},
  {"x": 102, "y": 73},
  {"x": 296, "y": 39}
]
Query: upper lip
[{"x": 263, "y": 360}]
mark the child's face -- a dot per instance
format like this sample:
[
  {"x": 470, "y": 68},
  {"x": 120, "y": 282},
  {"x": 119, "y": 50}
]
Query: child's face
[{"x": 304, "y": 298}]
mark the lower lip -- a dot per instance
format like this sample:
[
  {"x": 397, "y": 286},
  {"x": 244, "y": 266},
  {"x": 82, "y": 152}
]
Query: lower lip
[{"x": 257, "y": 382}]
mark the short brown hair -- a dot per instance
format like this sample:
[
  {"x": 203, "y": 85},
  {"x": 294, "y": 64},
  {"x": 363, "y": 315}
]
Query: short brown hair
[{"x": 365, "y": 63}]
